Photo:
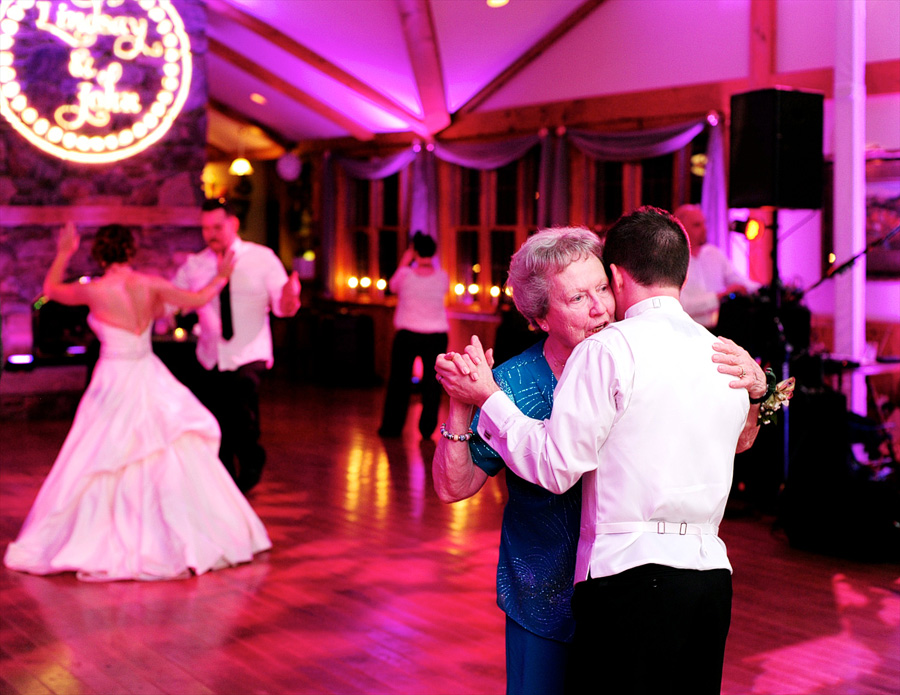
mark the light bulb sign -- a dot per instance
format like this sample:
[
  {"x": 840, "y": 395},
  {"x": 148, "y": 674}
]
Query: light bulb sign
[{"x": 92, "y": 81}]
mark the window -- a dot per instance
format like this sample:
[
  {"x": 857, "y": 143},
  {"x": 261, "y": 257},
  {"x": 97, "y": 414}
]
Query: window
[
  {"x": 503, "y": 246},
  {"x": 361, "y": 253},
  {"x": 697, "y": 167},
  {"x": 657, "y": 178},
  {"x": 470, "y": 196},
  {"x": 388, "y": 252},
  {"x": 609, "y": 189},
  {"x": 370, "y": 238},
  {"x": 507, "y": 194},
  {"x": 390, "y": 201},
  {"x": 468, "y": 262},
  {"x": 361, "y": 203},
  {"x": 608, "y": 192},
  {"x": 492, "y": 213}
]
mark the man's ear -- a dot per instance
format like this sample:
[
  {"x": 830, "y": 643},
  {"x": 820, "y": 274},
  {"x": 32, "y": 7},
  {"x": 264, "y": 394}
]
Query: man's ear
[{"x": 618, "y": 281}]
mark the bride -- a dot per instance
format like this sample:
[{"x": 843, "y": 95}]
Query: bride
[{"x": 137, "y": 490}]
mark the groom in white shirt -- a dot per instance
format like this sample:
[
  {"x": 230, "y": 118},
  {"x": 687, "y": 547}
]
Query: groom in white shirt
[
  {"x": 235, "y": 342},
  {"x": 646, "y": 418}
]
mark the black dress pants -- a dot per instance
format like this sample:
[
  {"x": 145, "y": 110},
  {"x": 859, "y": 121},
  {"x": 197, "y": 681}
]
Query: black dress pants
[
  {"x": 233, "y": 397},
  {"x": 407, "y": 346},
  {"x": 651, "y": 630}
]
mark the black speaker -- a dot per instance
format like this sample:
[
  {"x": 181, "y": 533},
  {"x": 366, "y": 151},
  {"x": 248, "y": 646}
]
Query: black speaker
[{"x": 776, "y": 149}]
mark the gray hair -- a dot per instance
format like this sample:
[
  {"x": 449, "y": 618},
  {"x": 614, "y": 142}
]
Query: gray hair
[{"x": 543, "y": 255}]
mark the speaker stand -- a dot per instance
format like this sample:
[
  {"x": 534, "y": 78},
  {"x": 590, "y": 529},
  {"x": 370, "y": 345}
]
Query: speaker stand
[{"x": 786, "y": 349}]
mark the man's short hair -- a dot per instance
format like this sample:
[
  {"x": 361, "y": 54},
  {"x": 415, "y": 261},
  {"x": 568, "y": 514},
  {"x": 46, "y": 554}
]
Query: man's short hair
[
  {"x": 651, "y": 246},
  {"x": 211, "y": 204}
]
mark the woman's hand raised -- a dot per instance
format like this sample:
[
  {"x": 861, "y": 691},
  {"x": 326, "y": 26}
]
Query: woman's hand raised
[{"x": 68, "y": 241}]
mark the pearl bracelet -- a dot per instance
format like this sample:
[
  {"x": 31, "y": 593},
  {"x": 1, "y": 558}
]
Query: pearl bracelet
[{"x": 456, "y": 437}]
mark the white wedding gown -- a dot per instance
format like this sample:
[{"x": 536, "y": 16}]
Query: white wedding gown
[{"x": 137, "y": 491}]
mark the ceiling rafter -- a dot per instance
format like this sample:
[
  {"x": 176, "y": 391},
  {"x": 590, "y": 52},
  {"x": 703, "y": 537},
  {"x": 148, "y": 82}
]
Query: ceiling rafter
[
  {"x": 424, "y": 55},
  {"x": 356, "y": 129},
  {"x": 318, "y": 62},
  {"x": 574, "y": 19}
]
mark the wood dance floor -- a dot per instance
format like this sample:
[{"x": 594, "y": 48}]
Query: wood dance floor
[{"x": 373, "y": 586}]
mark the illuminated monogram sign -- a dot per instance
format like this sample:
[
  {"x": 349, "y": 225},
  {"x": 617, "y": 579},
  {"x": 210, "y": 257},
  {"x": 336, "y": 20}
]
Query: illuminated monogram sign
[{"x": 92, "y": 81}]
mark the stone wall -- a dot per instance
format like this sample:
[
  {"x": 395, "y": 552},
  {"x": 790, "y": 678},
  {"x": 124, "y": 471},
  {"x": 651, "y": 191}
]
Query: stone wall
[{"x": 38, "y": 192}]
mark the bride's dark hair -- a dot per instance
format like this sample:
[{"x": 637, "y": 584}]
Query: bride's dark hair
[{"x": 114, "y": 243}]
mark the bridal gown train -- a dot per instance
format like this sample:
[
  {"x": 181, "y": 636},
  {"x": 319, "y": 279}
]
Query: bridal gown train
[{"x": 137, "y": 491}]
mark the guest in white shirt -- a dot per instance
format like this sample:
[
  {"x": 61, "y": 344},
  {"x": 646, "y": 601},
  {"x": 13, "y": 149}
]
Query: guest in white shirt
[
  {"x": 652, "y": 427},
  {"x": 235, "y": 342},
  {"x": 711, "y": 276},
  {"x": 421, "y": 324}
]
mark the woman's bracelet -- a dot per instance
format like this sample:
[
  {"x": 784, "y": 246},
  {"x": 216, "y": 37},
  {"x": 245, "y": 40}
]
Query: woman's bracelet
[
  {"x": 770, "y": 388},
  {"x": 456, "y": 437}
]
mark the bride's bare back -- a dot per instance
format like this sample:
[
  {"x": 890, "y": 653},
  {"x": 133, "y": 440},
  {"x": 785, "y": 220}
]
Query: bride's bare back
[{"x": 123, "y": 297}]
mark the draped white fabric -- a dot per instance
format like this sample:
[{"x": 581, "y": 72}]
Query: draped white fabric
[{"x": 553, "y": 173}]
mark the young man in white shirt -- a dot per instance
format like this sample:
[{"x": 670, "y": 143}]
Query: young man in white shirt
[
  {"x": 235, "y": 356},
  {"x": 652, "y": 426}
]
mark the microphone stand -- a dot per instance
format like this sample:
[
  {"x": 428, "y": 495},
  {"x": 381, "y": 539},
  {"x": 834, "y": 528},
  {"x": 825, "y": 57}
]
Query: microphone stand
[{"x": 847, "y": 264}]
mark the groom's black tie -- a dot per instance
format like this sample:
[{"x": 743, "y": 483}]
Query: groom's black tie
[{"x": 225, "y": 309}]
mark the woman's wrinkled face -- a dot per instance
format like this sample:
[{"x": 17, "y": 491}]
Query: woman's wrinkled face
[{"x": 581, "y": 302}]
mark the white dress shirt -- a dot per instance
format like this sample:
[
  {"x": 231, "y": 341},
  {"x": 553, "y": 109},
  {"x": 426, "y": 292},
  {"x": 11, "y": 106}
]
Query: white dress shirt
[
  {"x": 642, "y": 413},
  {"x": 255, "y": 284},
  {"x": 709, "y": 274}
]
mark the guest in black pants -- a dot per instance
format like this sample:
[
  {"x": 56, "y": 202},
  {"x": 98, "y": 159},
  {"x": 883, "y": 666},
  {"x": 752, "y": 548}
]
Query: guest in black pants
[
  {"x": 421, "y": 321},
  {"x": 235, "y": 343},
  {"x": 233, "y": 397}
]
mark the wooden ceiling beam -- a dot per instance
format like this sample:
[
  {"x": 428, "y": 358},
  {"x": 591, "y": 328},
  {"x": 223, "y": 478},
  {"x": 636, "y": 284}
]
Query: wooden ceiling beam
[
  {"x": 356, "y": 129},
  {"x": 645, "y": 109},
  {"x": 551, "y": 37},
  {"x": 763, "y": 25},
  {"x": 424, "y": 55},
  {"x": 318, "y": 62},
  {"x": 631, "y": 111}
]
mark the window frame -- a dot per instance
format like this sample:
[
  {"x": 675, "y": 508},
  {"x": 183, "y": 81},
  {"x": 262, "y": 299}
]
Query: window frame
[
  {"x": 350, "y": 226},
  {"x": 451, "y": 179}
]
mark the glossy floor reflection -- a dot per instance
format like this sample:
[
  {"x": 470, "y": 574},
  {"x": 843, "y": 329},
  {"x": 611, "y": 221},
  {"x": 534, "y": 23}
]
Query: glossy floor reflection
[{"x": 373, "y": 586}]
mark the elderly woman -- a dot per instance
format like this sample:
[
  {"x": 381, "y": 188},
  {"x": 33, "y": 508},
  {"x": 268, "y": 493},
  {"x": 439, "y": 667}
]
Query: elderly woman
[
  {"x": 560, "y": 285},
  {"x": 137, "y": 491}
]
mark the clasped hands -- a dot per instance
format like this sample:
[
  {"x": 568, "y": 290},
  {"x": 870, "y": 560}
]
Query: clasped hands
[{"x": 466, "y": 376}]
